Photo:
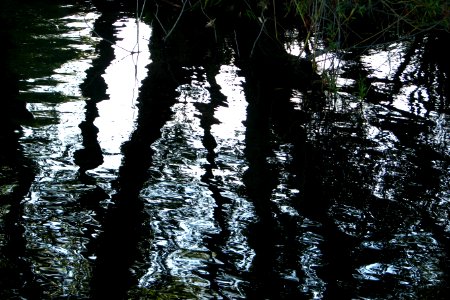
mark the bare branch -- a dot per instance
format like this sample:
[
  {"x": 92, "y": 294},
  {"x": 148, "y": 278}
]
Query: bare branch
[{"x": 176, "y": 22}]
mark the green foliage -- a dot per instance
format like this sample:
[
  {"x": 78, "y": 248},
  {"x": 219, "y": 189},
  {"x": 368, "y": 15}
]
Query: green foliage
[
  {"x": 424, "y": 14},
  {"x": 336, "y": 25},
  {"x": 362, "y": 88},
  {"x": 211, "y": 3},
  {"x": 338, "y": 19}
]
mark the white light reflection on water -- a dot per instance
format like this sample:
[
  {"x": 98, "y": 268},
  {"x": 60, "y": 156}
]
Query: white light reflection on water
[
  {"x": 67, "y": 78},
  {"x": 383, "y": 63},
  {"x": 58, "y": 141},
  {"x": 230, "y": 138},
  {"x": 394, "y": 74},
  {"x": 123, "y": 76},
  {"x": 52, "y": 234},
  {"x": 182, "y": 206},
  {"x": 179, "y": 204},
  {"x": 418, "y": 266},
  {"x": 57, "y": 235}
]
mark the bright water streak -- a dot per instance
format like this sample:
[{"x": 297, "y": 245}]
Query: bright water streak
[
  {"x": 57, "y": 228},
  {"x": 123, "y": 77},
  {"x": 182, "y": 205},
  {"x": 55, "y": 236}
]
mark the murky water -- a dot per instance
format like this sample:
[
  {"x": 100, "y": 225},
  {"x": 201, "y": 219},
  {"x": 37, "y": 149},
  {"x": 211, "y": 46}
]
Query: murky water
[{"x": 188, "y": 189}]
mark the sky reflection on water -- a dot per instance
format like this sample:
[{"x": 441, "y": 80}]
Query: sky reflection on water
[
  {"x": 182, "y": 206},
  {"x": 55, "y": 227},
  {"x": 373, "y": 171},
  {"x": 117, "y": 114}
]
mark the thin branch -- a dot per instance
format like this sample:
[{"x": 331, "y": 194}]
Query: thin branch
[
  {"x": 104, "y": 39},
  {"x": 157, "y": 19},
  {"x": 237, "y": 46},
  {"x": 275, "y": 19},
  {"x": 211, "y": 22},
  {"x": 142, "y": 9},
  {"x": 176, "y": 22},
  {"x": 257, "y": 38}
]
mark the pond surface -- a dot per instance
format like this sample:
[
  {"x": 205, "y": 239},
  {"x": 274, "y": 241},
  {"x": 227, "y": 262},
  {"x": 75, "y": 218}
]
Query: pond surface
[{"x": 158, "y": 177}]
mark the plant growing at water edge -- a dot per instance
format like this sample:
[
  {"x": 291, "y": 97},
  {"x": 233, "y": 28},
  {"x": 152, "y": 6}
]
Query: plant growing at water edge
[
  {"x": 362, "y": 87},
  {"x": 352, "y": 22},
  {"x": 323, "y": 26},
  {"x": 337, "y": 26}
]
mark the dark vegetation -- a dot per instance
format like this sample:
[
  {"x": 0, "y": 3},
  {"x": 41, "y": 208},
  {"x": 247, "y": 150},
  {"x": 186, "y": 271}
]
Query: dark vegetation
[{"x": 260, "y": 28}]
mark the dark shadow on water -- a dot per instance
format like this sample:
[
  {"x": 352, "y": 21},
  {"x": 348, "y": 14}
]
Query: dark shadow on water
[
  {"x": 16, "y": 175},
  {"x": 94, "y": 88},
  {"x": 122, "y": 247},
  {"x": 216, "y": 273},
  {"x": 270, "y": 237}
]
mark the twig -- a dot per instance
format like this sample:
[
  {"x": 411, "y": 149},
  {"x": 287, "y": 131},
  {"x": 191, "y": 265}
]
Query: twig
[
  {"x": 257, "y": 38},
  {"x": 237, "y": 45},
  {"x": 142, "y": 9},
  {"x": 157, "y": 19},
  {"x": 211, "y": 22},
  {"x": 106, "y": 40},
  {"x": 275, "y": 19},
  {"x": 176, "y": 22}
]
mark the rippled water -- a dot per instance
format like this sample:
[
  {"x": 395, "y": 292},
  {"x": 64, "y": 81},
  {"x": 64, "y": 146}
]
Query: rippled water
[{"x": 191, "y": 190}]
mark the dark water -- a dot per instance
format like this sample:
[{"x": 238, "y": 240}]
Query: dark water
[{"x": 175, "y": 174}]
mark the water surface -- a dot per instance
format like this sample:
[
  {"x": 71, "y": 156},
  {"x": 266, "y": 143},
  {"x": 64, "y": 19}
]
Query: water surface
[{"x": 159, "y": 176}]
